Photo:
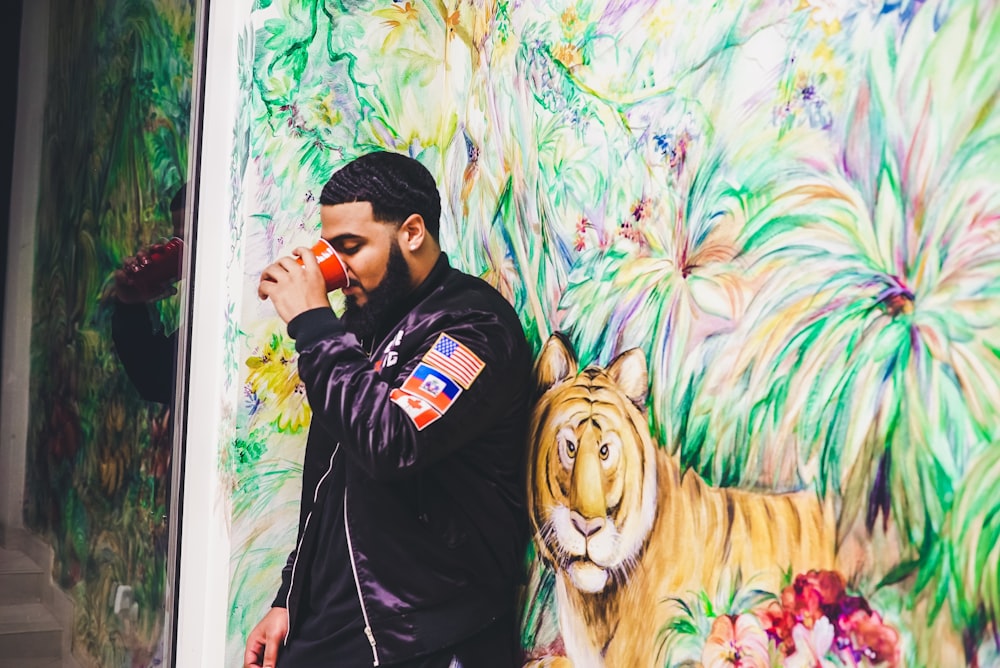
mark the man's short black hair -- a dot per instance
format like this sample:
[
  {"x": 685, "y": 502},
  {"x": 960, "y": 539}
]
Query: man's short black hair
[{"x": 396, "y": 185}]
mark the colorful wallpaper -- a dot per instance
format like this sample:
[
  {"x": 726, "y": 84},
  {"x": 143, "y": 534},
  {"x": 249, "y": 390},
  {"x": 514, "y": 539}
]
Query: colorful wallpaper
[
  {"x": 789, "y": 207},
  {"x": 115, "y": 140}
]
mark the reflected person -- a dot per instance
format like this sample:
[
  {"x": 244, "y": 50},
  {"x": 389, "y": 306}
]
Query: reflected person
[
  {"x": 412, "y": 525},
  {"x": 147, "y": 354}
]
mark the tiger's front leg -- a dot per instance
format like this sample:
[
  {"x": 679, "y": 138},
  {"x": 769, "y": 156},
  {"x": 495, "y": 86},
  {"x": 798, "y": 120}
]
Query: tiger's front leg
[{"x": 549, "y": 662}]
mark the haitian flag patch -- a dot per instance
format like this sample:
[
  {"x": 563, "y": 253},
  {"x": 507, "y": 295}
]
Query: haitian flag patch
[
  {"x": 418, "y": 410},
  {"x": 433, "y": 385}
]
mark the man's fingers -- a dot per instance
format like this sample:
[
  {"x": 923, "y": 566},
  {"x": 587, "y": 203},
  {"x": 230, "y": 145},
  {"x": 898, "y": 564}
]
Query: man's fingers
[
  {"x": 305, "y": 256},
  {"x": 252, "y": 657},
  {"x": 273, "y": 272},
  {"x": 271, "y": 651},
  {"x": 264, "y": 287},
  {"x": 269, "y": 278},
  {"x": 281, "y": 268},
  {"x": 264, "y": 641},
  {"x": 285, "y": 268}
]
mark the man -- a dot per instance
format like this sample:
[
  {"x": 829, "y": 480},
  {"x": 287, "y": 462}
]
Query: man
[
  {"x": 147, "y": 354},
  {"x": 412, "y": 523}
]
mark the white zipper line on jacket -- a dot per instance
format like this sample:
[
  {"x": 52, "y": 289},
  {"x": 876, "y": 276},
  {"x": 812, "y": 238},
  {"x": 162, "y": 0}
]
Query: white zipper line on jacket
[
  {"x": 298, "y": 548},
  {"x": 357, "y": 584}
]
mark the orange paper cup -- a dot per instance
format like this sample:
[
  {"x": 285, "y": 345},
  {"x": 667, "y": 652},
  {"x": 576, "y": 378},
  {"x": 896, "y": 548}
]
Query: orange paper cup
[{"x": 331, "y": 265}]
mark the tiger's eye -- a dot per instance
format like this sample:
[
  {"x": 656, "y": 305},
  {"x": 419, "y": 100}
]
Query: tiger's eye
[
  {"x": 571, "y": 448},
  {"x": 604, "y": 451}
]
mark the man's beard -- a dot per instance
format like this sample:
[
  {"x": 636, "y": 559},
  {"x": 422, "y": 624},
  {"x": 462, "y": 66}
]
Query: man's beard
[{"x": 363, "y": 321}]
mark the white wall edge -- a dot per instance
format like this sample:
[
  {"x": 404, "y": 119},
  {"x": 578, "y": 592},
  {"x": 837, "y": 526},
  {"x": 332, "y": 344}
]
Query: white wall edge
[
  {"x": 28, "y": 152},
  {"x": 203, "y": 591}
]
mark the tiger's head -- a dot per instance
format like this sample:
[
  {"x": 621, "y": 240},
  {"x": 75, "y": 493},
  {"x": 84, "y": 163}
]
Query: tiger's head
[{"x": 592, "y": 466}]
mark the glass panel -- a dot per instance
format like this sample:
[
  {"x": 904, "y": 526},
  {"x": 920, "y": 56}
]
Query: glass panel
[{"x": 114, "y": 207}]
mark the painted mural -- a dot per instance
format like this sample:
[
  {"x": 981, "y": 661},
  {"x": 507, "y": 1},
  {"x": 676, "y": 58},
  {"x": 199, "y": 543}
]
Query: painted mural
[
  {"x": 115, "y": 139},
  {"x": 769, "y": 229}
]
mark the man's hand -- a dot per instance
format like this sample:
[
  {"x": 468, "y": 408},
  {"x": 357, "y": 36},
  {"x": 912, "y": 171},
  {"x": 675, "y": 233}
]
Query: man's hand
[
  {"x": 265, "y": 640},
  {"x": 294, "y": 288}
]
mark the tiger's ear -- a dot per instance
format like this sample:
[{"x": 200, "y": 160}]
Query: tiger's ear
[
  {"x": 555, "y": 363},
  {"x": 628, "y": 370}
]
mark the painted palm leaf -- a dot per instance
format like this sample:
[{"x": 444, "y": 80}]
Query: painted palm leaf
[
  {"x": 870, "y": 359},
  {"x": 973, "y": 541},
  {"x": 675, "y": 280}
]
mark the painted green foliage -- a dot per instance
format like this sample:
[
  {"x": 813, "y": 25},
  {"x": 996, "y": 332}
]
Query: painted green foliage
[
  {"x": 791, "y": 209},
  {"x": 115, "y": 140}
]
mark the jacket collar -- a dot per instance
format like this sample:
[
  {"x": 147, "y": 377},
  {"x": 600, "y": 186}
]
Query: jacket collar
[{"x": 394, "y": 315}]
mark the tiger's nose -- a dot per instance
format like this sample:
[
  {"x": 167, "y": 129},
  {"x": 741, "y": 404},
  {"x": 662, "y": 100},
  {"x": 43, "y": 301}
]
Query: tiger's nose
[{"x": 587, "y": 527}]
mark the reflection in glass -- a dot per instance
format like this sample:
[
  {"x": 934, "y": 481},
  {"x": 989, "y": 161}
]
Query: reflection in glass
[{"x": 98, "y": 454}]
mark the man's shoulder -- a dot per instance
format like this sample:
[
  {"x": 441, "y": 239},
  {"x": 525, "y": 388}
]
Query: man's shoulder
[
  {"x": 463, "y": 286},
  {"x": 464, "y": 301},
  {"x": 470, "y": 296}
]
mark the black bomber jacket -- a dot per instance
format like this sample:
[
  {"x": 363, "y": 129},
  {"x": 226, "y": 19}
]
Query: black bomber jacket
[{"x": 430, "y": 425}]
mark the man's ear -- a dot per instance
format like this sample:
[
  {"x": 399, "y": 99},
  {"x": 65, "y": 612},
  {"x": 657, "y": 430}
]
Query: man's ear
[{"x": 412, "y": 233}]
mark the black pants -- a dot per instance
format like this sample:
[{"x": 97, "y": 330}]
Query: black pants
[{"x": 495, "y": 646}]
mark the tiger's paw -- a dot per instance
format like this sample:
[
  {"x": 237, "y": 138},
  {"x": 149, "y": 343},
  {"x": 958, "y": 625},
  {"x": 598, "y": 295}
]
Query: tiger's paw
[{"x": 550, "y": 662}]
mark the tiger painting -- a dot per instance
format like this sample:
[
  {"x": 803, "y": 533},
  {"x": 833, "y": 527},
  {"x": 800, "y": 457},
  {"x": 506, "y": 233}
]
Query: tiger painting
[{"x": 625, "y": 529}]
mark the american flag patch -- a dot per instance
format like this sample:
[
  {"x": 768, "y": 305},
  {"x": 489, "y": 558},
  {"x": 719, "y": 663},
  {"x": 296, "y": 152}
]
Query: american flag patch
[{"x": 455, "y": 360}]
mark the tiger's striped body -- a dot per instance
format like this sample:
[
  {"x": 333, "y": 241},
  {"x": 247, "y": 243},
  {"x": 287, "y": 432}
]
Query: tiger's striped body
[{"x": 626, "y": 531}]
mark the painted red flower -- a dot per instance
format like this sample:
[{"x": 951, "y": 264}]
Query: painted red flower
[
  {"x": 820, "y": 598},
  {"x": 869, "y": 637},
  {"x": 778, "y": 621}
]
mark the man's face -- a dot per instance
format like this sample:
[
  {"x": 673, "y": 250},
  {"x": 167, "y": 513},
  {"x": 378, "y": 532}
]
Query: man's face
[{"x": 378, "y": 271}]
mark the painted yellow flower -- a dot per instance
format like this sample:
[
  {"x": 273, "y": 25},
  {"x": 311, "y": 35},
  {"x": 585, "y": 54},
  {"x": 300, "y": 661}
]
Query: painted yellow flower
[
  {"x": 327, "y": 113},
  {"x": 825, "y": 13},
  {"x": 274, "y": 391},
  {"x": 661, "y": 20},
  {"x": 569, "y": 19},
  {"x": 826, "y": 61},
  {"x": 568, "y": 54},
  {"x": 397, "y": 18},
  {"x": 451, "y": 23}
]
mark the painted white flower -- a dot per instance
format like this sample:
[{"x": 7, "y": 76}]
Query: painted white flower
[{"x": 811, "y": 646}]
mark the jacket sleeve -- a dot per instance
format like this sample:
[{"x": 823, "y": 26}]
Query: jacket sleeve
[
  {"x": 391, "y": 428},
  {"x": 281, "y": 598}
]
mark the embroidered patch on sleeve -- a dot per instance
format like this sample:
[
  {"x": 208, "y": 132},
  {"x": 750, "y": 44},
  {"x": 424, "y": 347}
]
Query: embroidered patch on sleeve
[
  {"x": 455, "y": 360},
  {"x": 433, "y": 385},
  {"x": 418, "y": 410}
]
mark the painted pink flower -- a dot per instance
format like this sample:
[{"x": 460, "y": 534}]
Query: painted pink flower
[
  {"x": 740, "y": 642},
  {"x": 815, "y": 608},
  {"x": 811, "y": 645}
]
